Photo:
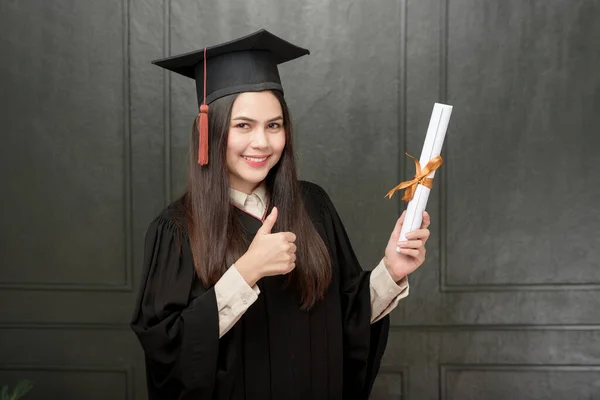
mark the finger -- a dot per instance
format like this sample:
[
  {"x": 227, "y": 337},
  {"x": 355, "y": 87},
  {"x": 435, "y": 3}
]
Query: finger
[
  {"x": 410, "y": 252},
  {"x": 422, "y": 252},
  {"x": 292, "y": 248},
  {"x": 426, "y": 220},
  {"x": 269, "y": 222},
  {"x": 398, "y": 228},
  {"x": 420, "y": 234},
  {"x": 288, "y": 237},
  {"x": 410, "y": 244}
]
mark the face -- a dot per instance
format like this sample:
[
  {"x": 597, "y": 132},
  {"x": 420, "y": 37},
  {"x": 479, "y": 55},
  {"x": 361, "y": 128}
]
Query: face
[{"x": 256, "y": 139}]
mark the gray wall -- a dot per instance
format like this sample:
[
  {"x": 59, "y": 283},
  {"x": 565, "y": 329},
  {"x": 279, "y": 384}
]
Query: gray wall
[{"x": 95, "y": 140}]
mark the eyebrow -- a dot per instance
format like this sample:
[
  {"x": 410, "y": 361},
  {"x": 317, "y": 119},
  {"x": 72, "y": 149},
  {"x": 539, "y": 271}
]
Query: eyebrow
[{"x": 242, "y": 118}]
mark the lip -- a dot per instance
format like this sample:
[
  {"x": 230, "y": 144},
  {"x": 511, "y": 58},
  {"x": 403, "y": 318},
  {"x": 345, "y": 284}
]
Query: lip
[{"x": 256, "y": 164}]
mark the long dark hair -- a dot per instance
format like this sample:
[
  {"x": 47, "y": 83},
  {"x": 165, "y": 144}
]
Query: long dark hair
[{"x": 216, "y": 234}]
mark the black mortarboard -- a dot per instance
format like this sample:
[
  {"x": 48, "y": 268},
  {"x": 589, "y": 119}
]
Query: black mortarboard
[{"x": 246, "y": 64}]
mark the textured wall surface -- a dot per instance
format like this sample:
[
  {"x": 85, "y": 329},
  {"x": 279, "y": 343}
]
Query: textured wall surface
[{"x": 95, "y": 144}]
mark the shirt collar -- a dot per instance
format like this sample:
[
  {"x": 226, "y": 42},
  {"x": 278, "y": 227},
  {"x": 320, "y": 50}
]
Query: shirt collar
[{"x": 239, "y": 198}]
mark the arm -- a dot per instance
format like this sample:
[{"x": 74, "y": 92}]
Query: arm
[
  {"x": 268, "y": 255},
  {"x": 234, "y": 297},
  {"x": 176, "y": 320},
  {"x": 385, "y": 292},
  {"x": 389, "y": 280}
]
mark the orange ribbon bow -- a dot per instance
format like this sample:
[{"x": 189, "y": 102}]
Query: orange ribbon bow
[{"x": 419, "y": 179}]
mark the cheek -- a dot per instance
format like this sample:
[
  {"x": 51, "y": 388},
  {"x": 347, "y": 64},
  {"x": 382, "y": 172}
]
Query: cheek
[
  {"x": 235, "y": 145},
  {"x": 234, "y": 149},
  {"x": 278, "y": 143}
]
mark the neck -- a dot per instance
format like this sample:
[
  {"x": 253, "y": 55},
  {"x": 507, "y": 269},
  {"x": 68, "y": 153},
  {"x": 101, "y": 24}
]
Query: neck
[{"x": 244, "y": 187}]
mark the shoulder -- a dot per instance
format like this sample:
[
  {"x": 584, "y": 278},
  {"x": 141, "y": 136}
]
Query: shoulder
[
  {"x": 172, "y": 219},
  {"x": 313, "y": 191},
  {"x": 316, "y": 199}
]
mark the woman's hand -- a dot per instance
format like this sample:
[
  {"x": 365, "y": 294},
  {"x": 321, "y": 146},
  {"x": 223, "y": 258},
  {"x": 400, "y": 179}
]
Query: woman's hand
[
  {"x": 412, "y": 251},
  {"x": 269, "y": 253}
]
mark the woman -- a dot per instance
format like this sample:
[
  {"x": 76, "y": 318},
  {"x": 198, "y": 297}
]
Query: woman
[{"x": 251, "y": 289}]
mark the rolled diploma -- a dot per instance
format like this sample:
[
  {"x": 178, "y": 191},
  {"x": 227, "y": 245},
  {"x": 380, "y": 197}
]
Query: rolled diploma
[{"x": 436, "y": 132}]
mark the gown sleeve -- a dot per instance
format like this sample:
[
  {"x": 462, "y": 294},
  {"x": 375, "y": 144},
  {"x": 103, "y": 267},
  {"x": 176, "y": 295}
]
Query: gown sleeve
[
  {"x": 364, "y": 342},
  {"x": 176, "y": 324}
]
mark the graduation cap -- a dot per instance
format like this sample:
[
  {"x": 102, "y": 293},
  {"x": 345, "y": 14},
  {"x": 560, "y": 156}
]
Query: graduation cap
[{"x": 246, "y": 64}]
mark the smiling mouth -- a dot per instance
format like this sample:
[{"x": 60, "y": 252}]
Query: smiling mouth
[{"x": 255, "y": 159}]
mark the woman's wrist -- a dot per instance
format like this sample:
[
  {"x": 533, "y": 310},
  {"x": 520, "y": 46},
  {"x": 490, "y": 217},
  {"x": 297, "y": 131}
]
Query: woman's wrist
[
  {"x": 248, "y": 271},
  {"x": 395, "y": 277}
]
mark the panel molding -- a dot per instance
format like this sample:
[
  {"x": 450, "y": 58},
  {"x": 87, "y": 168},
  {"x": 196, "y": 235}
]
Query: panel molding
[
  {"x": 64, "y": 326},
  {"x": 401, "y": 371},
  {"x": 393, "y": 328},
  {"x": 167, "y": 103},
  {"x": 444, "y": 285},
  {"x": 495, "y": 327},
  {"x": 515, "y": 287},
  {"x": 445, "y": 368},
  {"x": 402, "y": 96},
  {"x": 125, "y": 369},
  {"x": 127, "y": 285}
]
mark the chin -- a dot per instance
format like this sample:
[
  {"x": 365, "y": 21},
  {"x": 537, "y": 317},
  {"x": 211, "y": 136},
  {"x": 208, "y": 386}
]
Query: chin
[
  {"x": 255, "y": 177},
  {"x": 252, "y": 176}
]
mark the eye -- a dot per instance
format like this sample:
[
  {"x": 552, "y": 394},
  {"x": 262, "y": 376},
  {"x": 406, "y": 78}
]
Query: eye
[
  {"x": 242, "y": 125},
  {"x": 274, "y": 126}
]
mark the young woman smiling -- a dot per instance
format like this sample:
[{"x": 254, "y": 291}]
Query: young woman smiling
[{"x": 251, "y": 289}]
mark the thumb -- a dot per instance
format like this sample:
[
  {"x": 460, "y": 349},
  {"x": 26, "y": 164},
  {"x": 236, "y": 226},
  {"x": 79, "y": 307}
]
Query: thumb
[{"x": 268, "y": 223}]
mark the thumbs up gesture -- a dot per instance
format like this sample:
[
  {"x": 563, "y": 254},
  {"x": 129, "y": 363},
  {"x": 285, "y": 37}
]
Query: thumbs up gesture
[{"x": 269, "y": 253}]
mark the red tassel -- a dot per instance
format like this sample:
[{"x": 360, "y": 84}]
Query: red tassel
[
  {"x": 203, "y": 125},
  {"x": 203, "y": 136}
]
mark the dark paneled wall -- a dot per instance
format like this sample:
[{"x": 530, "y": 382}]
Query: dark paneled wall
[{"x": 95, "y": 144}]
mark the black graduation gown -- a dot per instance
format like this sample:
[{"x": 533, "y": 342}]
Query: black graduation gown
[{"x": 275, "y": 351}]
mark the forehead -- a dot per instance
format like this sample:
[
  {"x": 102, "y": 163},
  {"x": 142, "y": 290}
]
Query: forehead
[{"x": 256, "y": 105}]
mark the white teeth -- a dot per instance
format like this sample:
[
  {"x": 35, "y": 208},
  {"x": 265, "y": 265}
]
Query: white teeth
[{"x": 255, "y": 159}]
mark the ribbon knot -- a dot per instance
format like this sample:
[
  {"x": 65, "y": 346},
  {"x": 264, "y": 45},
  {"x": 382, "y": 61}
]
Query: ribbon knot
[{"x": 419, "y": 179}]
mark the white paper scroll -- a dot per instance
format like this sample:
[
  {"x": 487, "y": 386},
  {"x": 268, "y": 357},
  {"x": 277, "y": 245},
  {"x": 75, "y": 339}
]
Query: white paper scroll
[{"x": 436, "y": 132}]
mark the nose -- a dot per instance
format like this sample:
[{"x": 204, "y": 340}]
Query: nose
[{"x": 259, "y": 139}]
